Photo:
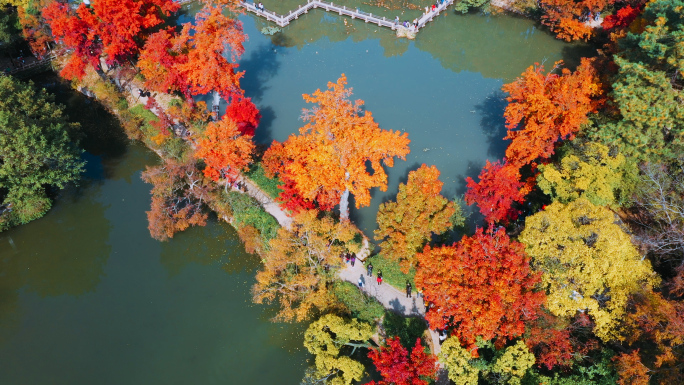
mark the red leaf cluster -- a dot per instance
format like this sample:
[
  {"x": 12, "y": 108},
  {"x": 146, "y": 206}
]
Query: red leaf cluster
[
  {"x": 397, "y": 367},
  {"x": 114, "y": 29},
  {"x": 499, "y": 187},
  {"x": 622, "y": 18},
  {"x": 242, "y": 111},
  {"x": 482, "y": 286}
]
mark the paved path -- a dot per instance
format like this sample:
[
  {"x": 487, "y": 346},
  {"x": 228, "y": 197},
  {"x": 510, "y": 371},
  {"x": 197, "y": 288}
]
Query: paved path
[{"x": 390, "y": 297}]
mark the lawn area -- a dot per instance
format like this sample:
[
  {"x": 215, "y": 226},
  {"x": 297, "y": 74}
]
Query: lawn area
[
  {"x": 391, "y": 272},
  {"x": 268, "y": 185}
]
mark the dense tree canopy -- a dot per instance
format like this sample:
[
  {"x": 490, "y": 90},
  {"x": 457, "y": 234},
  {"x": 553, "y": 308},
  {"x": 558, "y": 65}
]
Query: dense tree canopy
[
  {"x": 589, "y": 171},
  {"x": 331, "y": 339},
  {"x": 334, "y": 148},
  {"x": 300, "y": 266},
  {"x": 112, "y": 29},
  {"x": 482, "y": 286},
  {"x": 498, "y": 189},
  {"x": 37, "y": 151},
  {"x": 399, "y": 367},
  {"x": 226, "y": 152},
  {"x": 588, "y": 263},
  {"x": 406, "y": 225}
]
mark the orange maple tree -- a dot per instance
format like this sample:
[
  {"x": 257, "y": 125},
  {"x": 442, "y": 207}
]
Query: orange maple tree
[
  {"x": 544, "y": 108},
  {"x": 567, "y": 18},
  {"x": 398, "y": 367},
  {"x": 482, "y": 286},
  {"x": 113, "y": 29},
  {"x": 225, "y": 151},
  {"x": 333, "y": 150},
  {"x": 496, "y": 192},
  {"x": 420, "y": 211}
]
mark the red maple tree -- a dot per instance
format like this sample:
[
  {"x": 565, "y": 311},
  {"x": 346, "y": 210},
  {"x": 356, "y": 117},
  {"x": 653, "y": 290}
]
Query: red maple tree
[
  {"x": 112, "y": 29},
  {"x": 550, "y": 343},
  {"x": 499, "y": 187},
  {"x": 482, "y": 286},
  {"x": 622, "y": 18},
  {"x": 397, "y": 367},
  {"x": 242, "y": 111}
]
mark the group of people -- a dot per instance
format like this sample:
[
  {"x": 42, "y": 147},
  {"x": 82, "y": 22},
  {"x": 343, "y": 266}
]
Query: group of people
[
  {"x": 259, "y": 6},
  {"x": 414, "y": 25},
  {"x": 349, "y": 258}
]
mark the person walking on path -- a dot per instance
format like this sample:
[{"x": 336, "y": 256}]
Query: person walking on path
[
  {"x": 353, "y": 259},
  {"x": 396, "y": 21},
  {"x": 408, "y": 289},
  {"x": 369, "y": 269},
  {"x": 379, "y": 279},
  {"x": 361, "y": 281}
]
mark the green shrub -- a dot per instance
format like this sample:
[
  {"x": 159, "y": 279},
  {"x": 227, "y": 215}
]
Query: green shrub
[
  {"x": 145, "y": 116},
  {"x": 175, "y": 147},
  {"x": 248, "y": 212},
  {"x": 359, "y": 304},
  {"x": 268, "y": 185},
  {"x": 408, "y": 329}
]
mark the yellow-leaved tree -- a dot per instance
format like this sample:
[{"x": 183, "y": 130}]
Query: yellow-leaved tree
[
  {"x": 332, "y": 339},
  {"x": 588, "y": 263},
  {"x": 335, "y": 148},
  {"x": 301, "y": 265},
  {"x": 589, "y": 171},
  {"x": 406, "y": 225}
]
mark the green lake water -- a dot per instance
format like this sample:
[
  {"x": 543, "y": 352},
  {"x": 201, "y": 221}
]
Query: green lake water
[{"x": 87, "y": 297}]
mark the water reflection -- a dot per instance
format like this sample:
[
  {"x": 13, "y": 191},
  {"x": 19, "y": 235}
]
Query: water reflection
[
  {"x": 214, "y": 244},
  {"x": 497, "y": 46}
]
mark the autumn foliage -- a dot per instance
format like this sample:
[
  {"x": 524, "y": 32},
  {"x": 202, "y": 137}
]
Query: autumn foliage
[
  {"x": 300, "y": 266},
  {"x": 331, "y": 154},
  {"x": 225, "y": 151},
  {"x": 160, "y": 63},
  {"x": 567, "y": 18},
  {"x": 178, "y": 195},
  {"x": 496, "y": 192},
  {"x": 398, "y": 367},
  {"x": 482, "y": 286},
  {"x": 544, "y": 108},
  {"x": 206, "y": 69},
  {"x": 420, "y": 211},
  {"x": 112, "y": 29},
  {"x": 622, "y": 18},
  {"x": 242, "y": 111}
]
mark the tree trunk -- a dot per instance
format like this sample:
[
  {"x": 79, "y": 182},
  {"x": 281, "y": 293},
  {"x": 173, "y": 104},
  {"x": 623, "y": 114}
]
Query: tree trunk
[
  {"x": 344, "y": 202},
  {"x": 215, "y": 105}
]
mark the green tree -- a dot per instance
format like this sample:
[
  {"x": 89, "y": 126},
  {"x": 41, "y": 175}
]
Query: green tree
[
  {"x": 420, "y": 211},
  {"x": 37, "y": 151},
  {"x": 464, "y": 6},
  {"x": 588, "y": 263},
  {"x": 512, "y": 365},
  {"x": 332, "y": 339},
  {"x": 589, "y": 171},
  {"x": 651, "y": 120}
]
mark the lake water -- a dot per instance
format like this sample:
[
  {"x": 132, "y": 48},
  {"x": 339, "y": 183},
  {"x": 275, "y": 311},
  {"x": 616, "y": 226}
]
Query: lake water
[{"x": 87, "y": 297}]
